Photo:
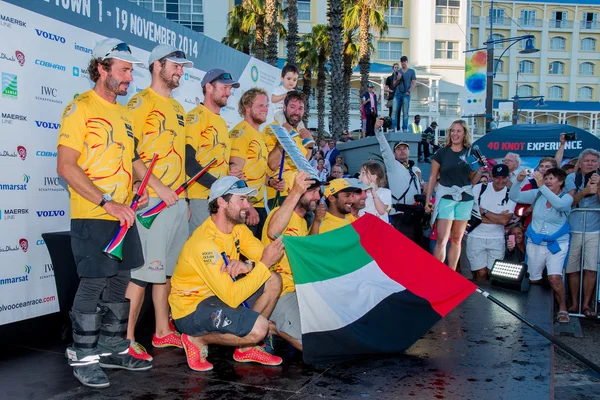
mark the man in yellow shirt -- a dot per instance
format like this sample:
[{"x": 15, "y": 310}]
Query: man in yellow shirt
[
  {"x": 160, "y": 129},
  {"x": 358, "y": 199},
  {"x": 249, "y": 154},
  {"x": 339, "y": 197},
  {"x": 95, "y": 154},
  {"x": 289, "y": 220},
  {"x": 205, "y": 297},
  {"x": 207, "y": 137},
  {"x": 293, "y": 110}
]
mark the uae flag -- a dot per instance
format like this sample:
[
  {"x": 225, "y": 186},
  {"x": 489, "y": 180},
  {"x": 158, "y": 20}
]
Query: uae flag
[{"x": 367, "y": 289}]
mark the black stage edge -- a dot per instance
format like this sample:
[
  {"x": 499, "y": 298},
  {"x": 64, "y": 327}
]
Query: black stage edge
[{"x": 478, "y": 351}]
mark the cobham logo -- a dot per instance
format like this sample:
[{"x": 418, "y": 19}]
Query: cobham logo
[
  {"x": 24, "y": 244},
  {"x": 22, "y": 151}
]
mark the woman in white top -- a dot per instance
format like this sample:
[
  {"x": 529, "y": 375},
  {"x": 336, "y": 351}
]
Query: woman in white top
[{"x": 379, "y": 199}]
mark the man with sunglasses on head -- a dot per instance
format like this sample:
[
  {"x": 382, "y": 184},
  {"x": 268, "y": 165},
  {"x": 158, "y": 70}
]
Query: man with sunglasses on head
[
  {"x": 211, "y": 303},
  {"x": 159, "y": 122},
  {"x": 96, "y": 151},
  {"x": 207, "y": 137}
]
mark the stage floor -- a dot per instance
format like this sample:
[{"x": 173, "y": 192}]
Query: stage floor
[{"x": 478, "y": 351}]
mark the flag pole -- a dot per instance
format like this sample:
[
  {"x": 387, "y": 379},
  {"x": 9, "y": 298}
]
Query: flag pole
[{"x": 539, "y": 330}]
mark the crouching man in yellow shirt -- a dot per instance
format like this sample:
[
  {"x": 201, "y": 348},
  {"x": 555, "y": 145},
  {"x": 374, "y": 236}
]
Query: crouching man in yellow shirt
[{"x": 206, "y": 299}]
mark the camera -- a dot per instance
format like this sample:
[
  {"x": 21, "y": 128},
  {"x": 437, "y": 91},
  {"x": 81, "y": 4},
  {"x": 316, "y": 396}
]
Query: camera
[
  {"x": 570, "y": 136},
  {"x": 387, "y": 122},
  {"x": 529, "y": 171},
  {"x": 420, "y": 198}
]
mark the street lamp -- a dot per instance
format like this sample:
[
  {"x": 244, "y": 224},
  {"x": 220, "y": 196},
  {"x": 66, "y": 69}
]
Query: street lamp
[
  {"x": 516, "y": 98},
  {"x": 491, "y": 69}
]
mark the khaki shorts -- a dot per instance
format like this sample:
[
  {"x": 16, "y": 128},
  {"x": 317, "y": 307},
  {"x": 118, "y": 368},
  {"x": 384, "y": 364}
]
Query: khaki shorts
[
  {"x": 286, "y": 316},
  {"x": 483, "y": 252},
  {"x": 590, "y": 260},
  {"x": 199, "y": 209},
  {"x": 162, "y": 243}
]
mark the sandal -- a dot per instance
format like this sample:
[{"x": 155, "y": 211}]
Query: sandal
[
  {"x": 563, "y": 317},
  {"x": 589, "y": 313}
]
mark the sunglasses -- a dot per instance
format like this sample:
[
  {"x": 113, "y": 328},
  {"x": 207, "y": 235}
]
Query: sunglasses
[
  {"x": 120, "y": 47},
  {"x": 177, "y": 54},
  {"x": 238, "y": 185},
  {"x": 224, "y": 76}
]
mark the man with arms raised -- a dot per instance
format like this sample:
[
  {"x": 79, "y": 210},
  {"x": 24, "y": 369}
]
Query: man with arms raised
[
  {"x": 289, "y": 220},
  {"x": 205, "y": 297},
  {"x": 96, "y": 151},
  {"x": 249, "y": 154},
  {"x": 160, "y": 129},
  {"x": 207, "y": 137}
]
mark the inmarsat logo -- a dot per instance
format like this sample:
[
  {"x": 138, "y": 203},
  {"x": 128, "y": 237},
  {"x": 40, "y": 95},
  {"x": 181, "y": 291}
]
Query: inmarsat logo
[
  {"x": 17, "y": 279},
  {"x": 17, "y": 186}
]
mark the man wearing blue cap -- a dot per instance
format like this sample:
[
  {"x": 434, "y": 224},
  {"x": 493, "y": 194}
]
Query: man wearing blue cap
[
  {"x": 96, "y": 151},
  {"x": 159, "y": 122},
  {"x": 207, "y": 137}
]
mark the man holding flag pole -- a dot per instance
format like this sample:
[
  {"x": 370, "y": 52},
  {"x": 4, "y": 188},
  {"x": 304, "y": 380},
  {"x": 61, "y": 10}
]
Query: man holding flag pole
[
  {"x": 160, "y": 129},
  {"x": 96, "y": 151}
]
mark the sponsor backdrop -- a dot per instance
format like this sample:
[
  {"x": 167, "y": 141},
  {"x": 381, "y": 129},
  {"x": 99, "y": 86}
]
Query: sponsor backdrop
[{"x": 43, "y": 67}]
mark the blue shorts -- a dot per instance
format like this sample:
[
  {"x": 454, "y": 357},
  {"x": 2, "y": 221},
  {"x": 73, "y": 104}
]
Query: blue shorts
[{"x": 455, "y": 210}]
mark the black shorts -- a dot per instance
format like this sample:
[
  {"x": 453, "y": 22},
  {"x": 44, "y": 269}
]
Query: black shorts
[
  {"x": 212, "y": 315},
  {"x": 89, "y": 237}
]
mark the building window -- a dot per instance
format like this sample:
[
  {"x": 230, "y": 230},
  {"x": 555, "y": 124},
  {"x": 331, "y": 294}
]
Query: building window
[
  {"x": 527, "y": 18},
  {"x": 526, "y": 67},
  {"x": 471, "y": 40},
  {"x": 588, "y": 44},
  {"x": 447, "y": 11},
  {"x": 498, "y": 91},
  {"x": 498, "y": 16},
  {"x": 446, "y": 50},
  {"x": 559, "y": 19},
  {"x": 556, "y": 68},
  {"x": 393, "y": 16},
  {"x": 389, "y": 51},
  {"x": 586, "y": 69},
  {"x": 585, "y": 93},
  {"x": 304, "y": 10},
  {"x": 188, "y": 13},
  {"x": 558, "y": 43},
  {"x": 555, "y": 92},
  {"x": 498, "y": 66},
  {"x": 589, "y": 20},
  {"x": 497, "y": 36},
  {"x": 525, "y": 91}
]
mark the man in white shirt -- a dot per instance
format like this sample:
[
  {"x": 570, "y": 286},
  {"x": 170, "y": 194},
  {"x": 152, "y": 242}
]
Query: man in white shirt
[
  {"x": 512, "y": 161},
  {"x": 485, "y": 244}
]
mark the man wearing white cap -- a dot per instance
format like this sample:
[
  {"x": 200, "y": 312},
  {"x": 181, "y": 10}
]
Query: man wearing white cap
[
  {"x": 205, "y": 298},
  {"x": 96, "y": 151},
  {"x": 207, "y": 137},
  {"x": 159, "y": 122}
]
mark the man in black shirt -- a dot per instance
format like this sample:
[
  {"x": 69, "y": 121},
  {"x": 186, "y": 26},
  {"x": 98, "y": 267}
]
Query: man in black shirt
[
  {"x": 427, "y": 139},
  {"x": 389, "y": 90}
]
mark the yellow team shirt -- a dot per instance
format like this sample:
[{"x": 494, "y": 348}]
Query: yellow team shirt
[
  {"x": 289, "y": 169},
  {"x": 208, "y": 134},
  {"x": 103, "y": 133},
  {"x": 160, "y": 129},
  {"x": 351, "y": 217},
  {"x": 247, "y": 143},
  {"x": 198, "y": 274},
  {"x": 296, "y": 227},
  {"x": 331, "y": 222}
]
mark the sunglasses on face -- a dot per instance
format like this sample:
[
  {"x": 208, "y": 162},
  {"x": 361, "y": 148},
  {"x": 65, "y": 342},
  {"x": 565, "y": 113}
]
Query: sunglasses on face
[{"x": 120, "y": 47}]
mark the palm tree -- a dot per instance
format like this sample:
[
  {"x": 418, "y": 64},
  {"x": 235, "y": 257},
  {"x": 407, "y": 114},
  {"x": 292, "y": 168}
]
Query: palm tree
[
  {"x": 365, "y": 15},
  {"x": 336, "y": 115},
  {"x": 308, "y": 59},
  {"x": 350, "y": 60},
  {"x": 255, "y": 17},
  {"x": 323, "y": 47},
  {"x": 237, "y": 37},
  {"x": 292, "y": 38},
  {"x": 271, "y": 31}
]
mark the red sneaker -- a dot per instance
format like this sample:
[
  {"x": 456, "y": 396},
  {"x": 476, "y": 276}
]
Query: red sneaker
[
  {"x": 173, "y": 339},
  {"x": 138, "y": 351},
  {"x": 196, "y": 357},
  {"x": 256, "y": 354}
]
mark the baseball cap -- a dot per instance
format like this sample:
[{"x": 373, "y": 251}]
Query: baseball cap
[
  {"x": 357, "y": 183},
  {"x": 401, "y": 144},
  {"x": 219, "y": 75},
  {"x": 500, "y": 170},
  {"x": 114, "y": 48},
  {"x": 370, "y": 85},
  {"x": 433, "y": 123},
  {"x": 176, "y": 55},
  {"x": 339, "y": 185},
  {"x": 229, "y": 185}
]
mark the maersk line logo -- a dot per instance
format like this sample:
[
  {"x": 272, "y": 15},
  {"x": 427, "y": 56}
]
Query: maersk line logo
[{"x": 9, "y": 85}]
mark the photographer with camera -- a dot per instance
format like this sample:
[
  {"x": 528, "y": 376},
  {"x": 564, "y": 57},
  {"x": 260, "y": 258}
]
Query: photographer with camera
[
  {"x": 564, "y": 138},
  {"x": 404, "y": 184},
  {"x": 583, "y": 186}
]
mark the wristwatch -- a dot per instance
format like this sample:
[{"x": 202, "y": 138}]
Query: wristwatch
[
  {"x": 485, "y": 211},
  {"x": 105, "y": 199}
]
